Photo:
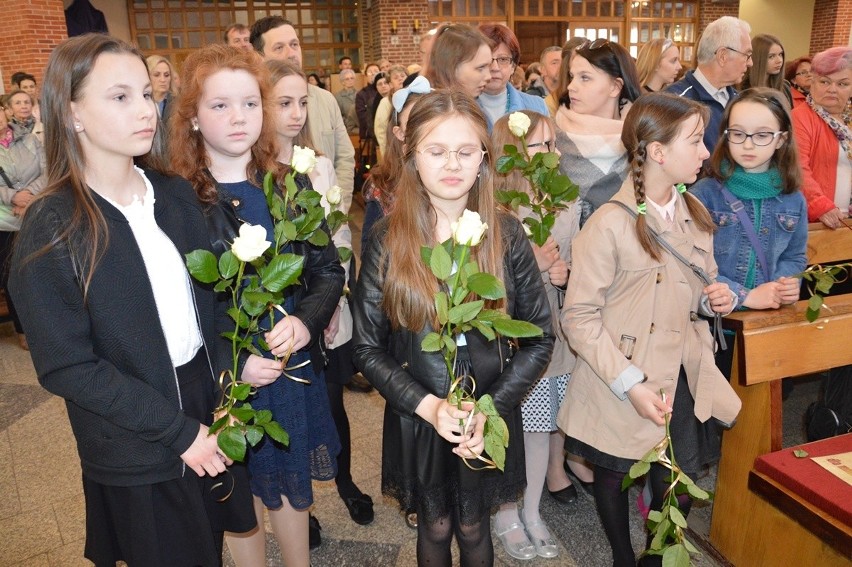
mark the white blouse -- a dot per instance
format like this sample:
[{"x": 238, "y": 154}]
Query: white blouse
[{"x": 168, "y": 276}]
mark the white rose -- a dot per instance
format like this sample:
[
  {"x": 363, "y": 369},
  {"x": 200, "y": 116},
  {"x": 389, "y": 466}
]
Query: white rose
[
  {"x": 251, "y": 243},
  {"x": 304, "y": 159},
  {"x": 333, "y": 195},
  {"x": 519, "y": 123},
  {"x": 469, "y": 229}
]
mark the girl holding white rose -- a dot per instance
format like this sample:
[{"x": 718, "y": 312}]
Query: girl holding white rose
[
  {"x": 225, "y": 119},
  {"x": 290, "y": 91},
  {"x": 445, "y": 177},
  {"x": 115, "y": 324}
]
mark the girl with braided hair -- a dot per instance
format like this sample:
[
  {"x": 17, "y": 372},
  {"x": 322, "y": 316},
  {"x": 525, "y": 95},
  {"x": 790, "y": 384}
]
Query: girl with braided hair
[{"x": 632, "y": 317}]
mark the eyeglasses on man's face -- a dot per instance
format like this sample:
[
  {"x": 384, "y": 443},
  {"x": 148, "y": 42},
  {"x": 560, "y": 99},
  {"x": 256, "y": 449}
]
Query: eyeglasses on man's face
[
  {"x": 437, "y": 157},
  {"x": 502, "y": 62},
  {"x": 758, "y": 138},
  {"x": 746, "y": 55}
]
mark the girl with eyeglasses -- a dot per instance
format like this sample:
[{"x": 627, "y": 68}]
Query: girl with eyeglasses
[
  {"x": 760, "y": 248},
  {"x": 658, "y": 64},
  {"x": 446, "y": 168},
  {"x": 631, "y": 314},
  {"x": 525, "y": 535},
  {"x": 767, "y": 69}
]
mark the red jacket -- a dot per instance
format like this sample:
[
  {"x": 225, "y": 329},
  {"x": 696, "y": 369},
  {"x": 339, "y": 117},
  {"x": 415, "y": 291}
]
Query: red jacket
[{"x": 818, "y": 154}]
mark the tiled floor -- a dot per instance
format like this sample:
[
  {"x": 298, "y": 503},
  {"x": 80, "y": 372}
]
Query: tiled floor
[{"x": 41, "y": 501}]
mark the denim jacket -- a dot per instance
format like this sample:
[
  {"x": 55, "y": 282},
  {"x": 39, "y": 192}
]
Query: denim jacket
[{"x": 783, "y": 233}]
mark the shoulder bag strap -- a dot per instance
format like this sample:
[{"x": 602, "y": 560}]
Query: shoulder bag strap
[
  {"x": 6, "y": 179},
  {"x": 697, "y": 270},
  {"x": 748, "y": 227}
]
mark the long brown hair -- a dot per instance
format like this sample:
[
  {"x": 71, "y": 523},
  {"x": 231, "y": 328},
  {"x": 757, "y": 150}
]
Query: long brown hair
[
  {"x": 409, "y": 285},
  {"x": 657, "y": 117},
  {"x": 785, "y": 158},
  {"x": 278, "y": 70},
  {"x": 758, "y": 74},
  {"x": 189, "y": 156},
  {"x": 65, "y": 77}
]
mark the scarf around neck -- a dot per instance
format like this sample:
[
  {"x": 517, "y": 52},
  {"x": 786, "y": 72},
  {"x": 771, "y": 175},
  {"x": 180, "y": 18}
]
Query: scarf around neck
[
  {"x": 840, "y": 128},
  {"x": 753, "y": 186}
]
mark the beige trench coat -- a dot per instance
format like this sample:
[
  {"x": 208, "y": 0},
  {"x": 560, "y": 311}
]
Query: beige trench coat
[{"x": 615, "y": 289}]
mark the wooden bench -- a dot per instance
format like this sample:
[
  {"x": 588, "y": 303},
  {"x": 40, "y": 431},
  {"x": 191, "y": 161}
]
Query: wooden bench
[{"x": 769, "y": 346}]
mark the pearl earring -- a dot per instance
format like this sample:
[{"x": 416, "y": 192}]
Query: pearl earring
[
  {"x": 78, "y": 126},
  {"x": 195, "y": 127}
]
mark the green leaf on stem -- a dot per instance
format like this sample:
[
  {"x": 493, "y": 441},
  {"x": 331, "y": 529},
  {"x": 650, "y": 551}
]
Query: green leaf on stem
[
  {"x": 308, "y": 199},
  {"x": 465, "y": 312},
  {"x": 274, "y": 430},
  {"x": 290, "y": 186},
  {"x": 550, "y": 160},
  {"x": 676, "y": 556},
  {"x": 202, "y": 265},
  {"x": 254, "y": 302},
  {"x": 431, "y": 342},
  {"x": 677, "y": 517},
  {"x": 241, "y": 391},
  {"x": 233, "y": 443},
  {"x": 345, "y": 254},
  {"x": 222, "y": 285},
  {"x": 486, "y": 286},
  {"x": 690, "y": 548},
  {"x": 442, "y": 307},
  {"x": 243, "y": 413},
  {"x": 655, "y": 516},
  {"x": 697, "y": 492},
  {"x": 319, "y": 238},
  {"x": 217, "y": 425},
  {"x": 335, "y": 220},
  {"x": 239, "y": 317},
  {"x": 638, "y": 469},
  {"x": 426, "y": 255},
  {"x": 660, "y": 535},
  {"x": 283, "y": 271},
  {"x": 285, "y": 230},
  {"x": 254, "y": 434},
  {"x": 228, "y": 264},
  {"x": 440, "y": 263},
  {"x": 486, "y": 331},
  {"x": 262, "y": 416},
  {"x": 516, "y": 329}
]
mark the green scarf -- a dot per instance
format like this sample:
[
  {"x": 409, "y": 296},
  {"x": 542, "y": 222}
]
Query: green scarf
[{"x": 753, "y": 186}]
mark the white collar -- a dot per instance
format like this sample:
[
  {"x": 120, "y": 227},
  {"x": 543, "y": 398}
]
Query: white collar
[{"x": 667, "y": 210}]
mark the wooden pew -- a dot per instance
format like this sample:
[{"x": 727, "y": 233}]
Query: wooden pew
[{"x": 769, "y": 346}]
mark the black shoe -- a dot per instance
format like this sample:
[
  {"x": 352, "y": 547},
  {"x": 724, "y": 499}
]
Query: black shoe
[
  {"x": 360, "y": 509},
  {"x": 566, "y": 495},
  {"x": 359, "y": 384},
  {"x": 588, "y": 487},
  {"x": 314, "y": 537}
]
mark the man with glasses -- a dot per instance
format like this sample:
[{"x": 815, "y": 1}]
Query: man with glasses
[{"x": 724, "y": 56}]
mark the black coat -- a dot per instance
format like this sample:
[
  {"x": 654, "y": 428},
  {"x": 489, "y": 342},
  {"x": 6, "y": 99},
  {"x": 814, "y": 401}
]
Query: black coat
[
  {"x": 395, "y": 364},
  {"x": 107, "y": 354}
]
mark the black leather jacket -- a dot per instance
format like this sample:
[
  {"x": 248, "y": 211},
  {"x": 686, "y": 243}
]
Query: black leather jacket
[
  {"x": 396, "y": 365},
  {"x": 321, "y": 283}
]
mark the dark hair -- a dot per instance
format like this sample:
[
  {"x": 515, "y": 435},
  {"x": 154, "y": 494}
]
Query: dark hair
[
  {"x": 344, "y": 58},
  {"x": 65, "y": 77},
  {"x": 785, "y": 158},
  {"x": 497, "y": 34},
  {"x": 319, "y": 81},
  {"x": 793, "y": 66},
  {"x": 262, "y": 26},
  {"x": 657, "y": 117},
  {"x": 616, "y": 62},
  {"x": 20, "y": 76},
  {"x": 234, "y": 27}
]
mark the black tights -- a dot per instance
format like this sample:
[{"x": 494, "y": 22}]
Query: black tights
[
  {"x": 345, "y": 487},
  {"x": 434, "y": 540},
  {"x": 613, "y": 508}
]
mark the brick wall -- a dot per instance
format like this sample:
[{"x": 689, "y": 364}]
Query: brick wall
[
  {"x": 831, "y": 25},
  {"x": 378, "y": 41},
  {"x": 709, "y": 11},
  {"x": 31, "y": 29}
]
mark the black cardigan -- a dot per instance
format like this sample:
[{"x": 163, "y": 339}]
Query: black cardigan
[
  {"x": 107, "y": 355},
  {"x": 394, "y": 362}
]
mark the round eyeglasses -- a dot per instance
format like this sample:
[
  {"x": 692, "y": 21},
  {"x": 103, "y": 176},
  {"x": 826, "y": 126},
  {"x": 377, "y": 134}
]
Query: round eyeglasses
[
  {"x": 437, "y": 157},
  {"x": 758, "y": 138}
]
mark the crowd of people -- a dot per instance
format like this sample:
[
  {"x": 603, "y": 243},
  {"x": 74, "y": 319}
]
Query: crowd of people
[{"x": 695, "y": 192}]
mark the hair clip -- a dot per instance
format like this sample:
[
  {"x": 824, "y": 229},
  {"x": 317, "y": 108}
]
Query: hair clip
[
  {"x": 641, "y": 208},
  {"x": 681, "y": 188}
]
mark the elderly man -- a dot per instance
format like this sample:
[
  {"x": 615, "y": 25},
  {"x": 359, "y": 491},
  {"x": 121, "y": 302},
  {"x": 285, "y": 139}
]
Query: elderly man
[
  {"x": 275, "y": 38},
  {"x": 724, "y": 56},
  {"x": 346, "y": 100}
]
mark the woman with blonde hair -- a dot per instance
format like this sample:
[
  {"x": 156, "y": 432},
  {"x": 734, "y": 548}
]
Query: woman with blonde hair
[
  {"x": 163, "y": 83},
  {"x": 658, "y": 64}
]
